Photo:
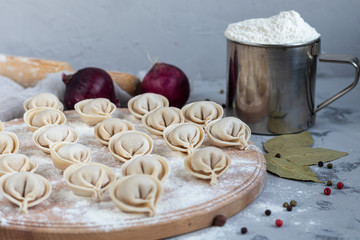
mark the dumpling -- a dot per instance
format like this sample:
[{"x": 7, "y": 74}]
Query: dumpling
[
  {"x": 202, "y": 112},
  {"x": 159, "y": 119},
  {"x": 137, "y": 194},
  {"x": 39, "y": 117},
  {"x": 25, "y": 189},
  {"x": 89, "y": 179},
  {"x": 184, "y": 137},
  {"x": 146, "y": 102},
  {"x": 229, "y": 131},
  {"x": 207, "y": 163},
  {"x": 9, "y": 142},
  {"x": 153, "y": 165},
  {"x": 1, "y": 126},
  {"x": 65, "y": 154},
  {"x": 130, "y": 144},
  {"x": 104, "y": 130},
  {"x": 93, "y": 111},
  {"x": 16, "y": 162},
  {"x": 45, "y": 136},
  {"x": 43, "y": 100}
]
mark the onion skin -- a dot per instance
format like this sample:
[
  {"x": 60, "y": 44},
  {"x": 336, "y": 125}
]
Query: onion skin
[
  {"x": 169, "y": 81},
  {"x": 88, "y": 83}
]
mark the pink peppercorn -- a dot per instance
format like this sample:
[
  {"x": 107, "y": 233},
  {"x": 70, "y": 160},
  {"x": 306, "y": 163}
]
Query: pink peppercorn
[
  {"x": 278, "y": 222},
  {"x": 327, "y": 191},
  {"x": 339, "y": 185}
]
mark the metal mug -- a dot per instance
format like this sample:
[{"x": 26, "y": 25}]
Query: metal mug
[{"x": 272, "y": 87}]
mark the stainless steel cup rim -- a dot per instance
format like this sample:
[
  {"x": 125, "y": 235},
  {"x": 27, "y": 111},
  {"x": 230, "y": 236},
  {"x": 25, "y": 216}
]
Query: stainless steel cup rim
[{"x": 292, "y": 45}]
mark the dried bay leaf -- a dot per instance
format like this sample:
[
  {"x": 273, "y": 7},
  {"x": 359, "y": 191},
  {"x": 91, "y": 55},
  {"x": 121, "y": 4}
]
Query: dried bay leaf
[
  {"x": 296, "y": 155},
  {"x": 280, "y": 143},
  {"x": 287, "y": 169},
  {"x": 310, "y": 156}
]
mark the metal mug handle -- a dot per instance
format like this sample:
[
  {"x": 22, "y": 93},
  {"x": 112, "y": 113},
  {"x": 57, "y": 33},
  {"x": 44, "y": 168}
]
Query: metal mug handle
[{"x": 354, "y": 61}]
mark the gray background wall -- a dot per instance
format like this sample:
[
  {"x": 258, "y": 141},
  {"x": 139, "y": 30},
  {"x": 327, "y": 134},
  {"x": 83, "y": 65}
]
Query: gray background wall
[{"x": 117, "y": 35}]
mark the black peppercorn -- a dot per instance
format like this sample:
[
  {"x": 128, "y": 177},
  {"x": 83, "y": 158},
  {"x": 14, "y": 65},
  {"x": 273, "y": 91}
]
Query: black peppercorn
[
  {"x": 278, "y": 155},
  {"x": 223, "y": 105},
  {"x": 267, "y": 212},
  {"x": 221, "y": 91},
  {"x": 293, "y": 203},
  {"x": 329, "y": 165},
  {"x": 329, "y": 183},
  {"x": 320, "y": 163},
  {"x": 289, "y": 208},
  {"x": 207, "y": 99},
  {"x": 243, "y": 230},
  {"x": 219, "y": 220},
  {"x": 285, "y": 204}
]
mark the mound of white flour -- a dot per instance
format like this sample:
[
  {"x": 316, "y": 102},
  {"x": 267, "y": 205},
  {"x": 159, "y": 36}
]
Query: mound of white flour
[{"x": 284, "y": 28}]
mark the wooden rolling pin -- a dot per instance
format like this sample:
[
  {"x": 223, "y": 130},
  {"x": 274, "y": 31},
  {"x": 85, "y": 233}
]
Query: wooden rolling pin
[
  {"x": 29, "y": 71},
  {"x": 126, "y": 81}
]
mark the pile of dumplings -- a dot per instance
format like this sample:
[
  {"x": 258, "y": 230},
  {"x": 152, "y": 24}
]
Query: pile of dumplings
[
  {"x": 140, "y": 187},
  {"x": 19, "y": 183},
  {"x": 184, "y": 130}
]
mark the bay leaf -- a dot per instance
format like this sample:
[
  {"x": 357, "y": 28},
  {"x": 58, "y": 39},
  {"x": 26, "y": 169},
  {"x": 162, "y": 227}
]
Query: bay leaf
[
  {"x": 280, "y": 143},
  {"x": 310, "y": 156},
  {"x": 286, "y": 169}
]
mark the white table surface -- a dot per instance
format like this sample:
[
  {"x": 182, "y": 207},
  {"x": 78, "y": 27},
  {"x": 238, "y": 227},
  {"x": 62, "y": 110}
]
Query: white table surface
[{"x": 316, "y": 215}]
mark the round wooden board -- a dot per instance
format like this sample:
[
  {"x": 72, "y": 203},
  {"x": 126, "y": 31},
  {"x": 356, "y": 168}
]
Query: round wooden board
[{"x": 188, "y": 204}]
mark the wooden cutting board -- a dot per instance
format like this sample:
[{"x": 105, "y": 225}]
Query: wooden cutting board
[{"x": 188, "y": 203}]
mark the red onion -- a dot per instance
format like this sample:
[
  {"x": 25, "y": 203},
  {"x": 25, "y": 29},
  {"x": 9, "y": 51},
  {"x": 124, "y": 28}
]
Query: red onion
[
  {"x": 169, "y": 81},
  {"x": 88, "y": 83}
]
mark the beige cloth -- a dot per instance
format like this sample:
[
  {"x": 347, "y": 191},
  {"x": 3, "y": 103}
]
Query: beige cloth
[{"x": 13, "y": 95}]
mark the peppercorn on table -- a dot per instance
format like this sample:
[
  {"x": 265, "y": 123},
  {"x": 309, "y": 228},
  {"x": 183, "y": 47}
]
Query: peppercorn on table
[{"x": 316, "y": 215}]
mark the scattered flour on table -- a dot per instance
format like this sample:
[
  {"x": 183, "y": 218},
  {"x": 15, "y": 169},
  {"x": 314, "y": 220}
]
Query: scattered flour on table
[
  {"x": 181, "y": 189},
  {"x": 285, "y": 28}
]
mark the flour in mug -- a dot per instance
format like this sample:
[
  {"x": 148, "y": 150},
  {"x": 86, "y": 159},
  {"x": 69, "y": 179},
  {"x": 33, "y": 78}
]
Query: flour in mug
[{"x": 285, "y": 28}]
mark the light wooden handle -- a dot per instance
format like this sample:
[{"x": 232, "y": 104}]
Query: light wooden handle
[
  {"x": 127, "y": 82},
  {"x": 28, "y": 71}
]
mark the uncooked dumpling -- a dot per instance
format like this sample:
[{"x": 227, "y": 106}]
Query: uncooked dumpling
[
  {"x": 1, "y": 126},
  {"x": 45, "y": 136},
  {"x": 104, "y": 130},
  {"x": 9, "y": 142},
  {"x": 16, "y": 162},
  {"x": 93, "y": 111},
  {"x": 89, "y": 179},
  {"x": 65, "y": 154},
  {"x": 153, "y": 165},
  {"x": 146, "y": 102},
  {"x": 229, "y": 131},
  {"x": 43, "y": 100},
  {"x": 130, "y": 144},
  {"x": 184, "y": 137},
  {"x": 25, "y": 189},
  {"x": 202, "y": 112},
  {"x": 159, "y": 119},
  {"x": 39, "y": 117},
  {"x": 208, "y": 163},
  {"x": 137, "y": 194}
]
